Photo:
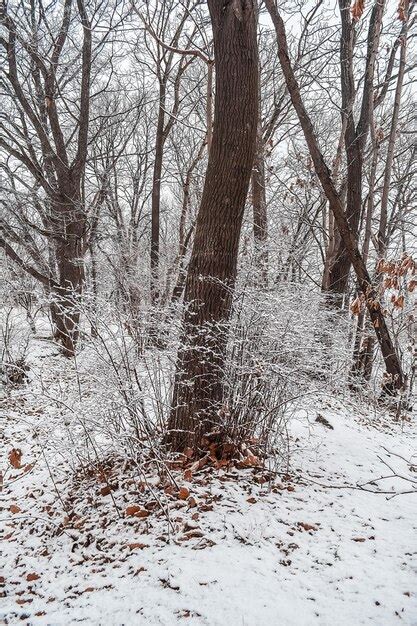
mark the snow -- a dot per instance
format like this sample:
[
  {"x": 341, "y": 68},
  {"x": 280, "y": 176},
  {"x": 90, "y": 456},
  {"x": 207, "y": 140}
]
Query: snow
[{"x": 310, "y": 548}]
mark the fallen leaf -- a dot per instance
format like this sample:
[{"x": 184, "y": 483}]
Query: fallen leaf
[
  {"x": 132, "y": 510},
  {"x": 15, "y": 458},
  {"x": 183, "y": 493},
  {"x": 22, "y": 601},
  {"x": 32, "y": 576},
  {"x": 14, "y": 508},
  {"x": 307, "y": 526},
  {"x": 192, "y": 502},
  {"x": 137, "y": 546}
]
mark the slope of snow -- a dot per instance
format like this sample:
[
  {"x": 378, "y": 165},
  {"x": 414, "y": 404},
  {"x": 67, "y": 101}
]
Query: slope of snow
[{"x": 310, "y": 548}]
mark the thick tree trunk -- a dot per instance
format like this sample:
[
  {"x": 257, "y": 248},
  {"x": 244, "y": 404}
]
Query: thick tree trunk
[
  {"x": 395, "y": 378},
  {"x": 198, "y": 392},
  {"x": 70, "y": 223}
]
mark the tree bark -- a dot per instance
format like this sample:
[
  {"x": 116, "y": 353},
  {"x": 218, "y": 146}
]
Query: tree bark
[{"x": 198, "y": 391}]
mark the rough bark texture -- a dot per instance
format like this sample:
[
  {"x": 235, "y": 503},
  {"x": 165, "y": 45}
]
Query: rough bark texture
[
  {"x": 395, "y": 378},
  {"x": 69, "y": 219},
  {"x": 197, "y": 400}
]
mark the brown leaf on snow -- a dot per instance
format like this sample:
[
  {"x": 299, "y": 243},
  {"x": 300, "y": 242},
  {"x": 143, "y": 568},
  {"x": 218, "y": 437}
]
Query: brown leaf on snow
[
  {"x": 15, "y": 458},
  {"x": 188, "y": 475},
  {"x": 13, "y": 508},
  {"x": 32, "y": 576},
  {"x": 251, "y": 500},
  {"x": 137, "y": 546},
  {"x": 23, "y": 601},
  {"x": 132, "y": 510},
  {"x": 192, "y": 502},
  {"x": 183, "y": 493},
  {"x": 136, "y": 511},
  {"x": 359, "y": 539},
  {"x": 195, "y": 533},
  {"x": 307, "y": 526}
]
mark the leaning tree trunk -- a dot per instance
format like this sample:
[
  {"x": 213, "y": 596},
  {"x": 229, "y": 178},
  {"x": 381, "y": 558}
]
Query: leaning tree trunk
[{"x": 198, "y": 391}]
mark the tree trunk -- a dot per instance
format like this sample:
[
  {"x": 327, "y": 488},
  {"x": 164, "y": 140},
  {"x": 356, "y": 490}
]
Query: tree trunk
[
  {"x": 198, "y": 391},
  {"x": 70, "y": 223},
  {"x": 260, "y": 219},
  {"x": 156, "y": 194}
]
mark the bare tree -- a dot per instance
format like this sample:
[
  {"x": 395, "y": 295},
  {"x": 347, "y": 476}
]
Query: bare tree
[{"x": 50, "y": 155}]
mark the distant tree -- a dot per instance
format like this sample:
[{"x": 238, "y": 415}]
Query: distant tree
[{"x": 45, "y": 136}]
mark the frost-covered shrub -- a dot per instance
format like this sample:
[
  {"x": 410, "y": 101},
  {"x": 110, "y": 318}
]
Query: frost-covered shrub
[{"x": 283, "y": 344}]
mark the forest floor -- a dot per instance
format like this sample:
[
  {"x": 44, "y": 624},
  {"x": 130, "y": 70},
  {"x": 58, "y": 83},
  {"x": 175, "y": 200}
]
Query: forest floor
[{"x": 229, "y": 546}]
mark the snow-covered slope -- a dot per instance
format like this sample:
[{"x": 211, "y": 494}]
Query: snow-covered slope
[{"x": 309, "y": 548}]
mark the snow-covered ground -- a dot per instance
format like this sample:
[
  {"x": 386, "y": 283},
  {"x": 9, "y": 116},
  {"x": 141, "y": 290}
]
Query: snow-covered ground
[{"x": 311, "y": 547}]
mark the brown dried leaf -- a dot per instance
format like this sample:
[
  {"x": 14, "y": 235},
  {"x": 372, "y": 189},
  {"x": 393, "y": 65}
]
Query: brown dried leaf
[
  {"x": 402, "y": 14},
  {"x": 13, "y": 508},
  {"x": 399, "y": 302},
  {"x": 132, "y": 510},
  {"x": 183, "y": 493},
  {"x": 137, "y": 546},
  {"x": 356, "y": 306},
  {"x": 15, "y": 457},
  {"x": 307, "y": 526},
  {"x": 32, "y": 576},
  {"x": 357, "y": 9},
  {"x": 192, "y": 502},
  {"x": 188, "y": 475}
]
